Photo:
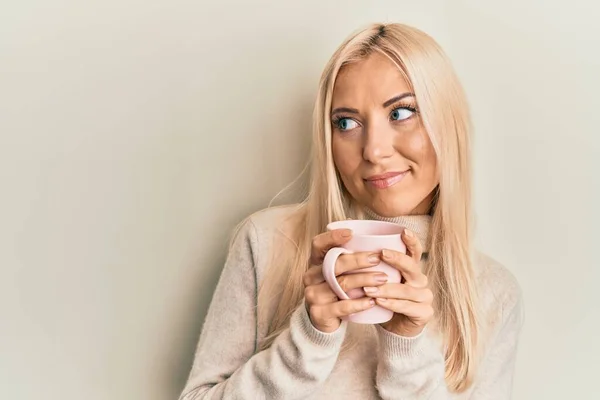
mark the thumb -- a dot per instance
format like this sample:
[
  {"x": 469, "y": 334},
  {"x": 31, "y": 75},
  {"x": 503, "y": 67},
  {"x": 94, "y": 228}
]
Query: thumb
[{"x": 414, "y": 248}]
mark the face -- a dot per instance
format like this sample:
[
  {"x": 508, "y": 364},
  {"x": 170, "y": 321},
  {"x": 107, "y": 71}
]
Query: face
[{"x": 380, "y": 147}]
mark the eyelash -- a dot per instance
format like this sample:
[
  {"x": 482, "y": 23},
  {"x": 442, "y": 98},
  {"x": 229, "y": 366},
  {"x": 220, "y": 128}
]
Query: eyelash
[{"x": 411, "y": 107}]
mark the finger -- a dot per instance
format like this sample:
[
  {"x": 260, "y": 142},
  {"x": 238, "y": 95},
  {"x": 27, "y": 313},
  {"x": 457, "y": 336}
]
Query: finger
[
  {"x": 322, "y": 243},
  {"x": 319, "y": 294},
  {"x": 415, "y": 311},
  {"x": 354, "y": 261},
  {"x": 408, "y": 267},
  {"x": 401, "y": 291},
  {"x": 355, "y": 281},
  {"x": 346, "y": 307},
  {"x": 414, "y": 247},
  {"x": 345, "y": 263},
  {"x": 313, "y": 276}
]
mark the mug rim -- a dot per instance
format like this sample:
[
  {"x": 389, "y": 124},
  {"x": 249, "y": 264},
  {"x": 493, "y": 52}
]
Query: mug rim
[{"x": 330, "y": 227}]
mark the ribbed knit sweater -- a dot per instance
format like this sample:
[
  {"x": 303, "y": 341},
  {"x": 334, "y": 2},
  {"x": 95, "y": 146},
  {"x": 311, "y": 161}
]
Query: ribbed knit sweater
[{"x": 304, "y": 363}]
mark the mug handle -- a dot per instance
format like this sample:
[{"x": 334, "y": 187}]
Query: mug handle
[{"x": 329, "y": 271}]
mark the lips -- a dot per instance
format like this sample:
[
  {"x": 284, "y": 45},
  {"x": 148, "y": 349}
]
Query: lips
[{"x": 386, "y": 180}]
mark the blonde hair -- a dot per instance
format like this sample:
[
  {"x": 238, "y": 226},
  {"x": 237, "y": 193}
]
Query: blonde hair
[{"x": 444, "y": 113}]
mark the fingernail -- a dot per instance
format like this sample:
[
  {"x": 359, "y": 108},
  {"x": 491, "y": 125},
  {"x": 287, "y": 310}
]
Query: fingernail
[
  {"x": 371, "y": 302},
  {"x": 386, "y": 254},
  {"x": 370, "y": 289},
  {"x": 374, "y": 259},
  {"x": 346, "y": 233},
  {"x": 408, "y": 233},
  {"x": 381, "y": 278},
  {"x": 381, "y": 300}
]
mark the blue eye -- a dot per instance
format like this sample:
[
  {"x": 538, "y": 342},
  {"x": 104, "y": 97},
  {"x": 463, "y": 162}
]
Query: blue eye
[
  {"x": 401, "y": 113},
  {"x": 346, "y": 124}
]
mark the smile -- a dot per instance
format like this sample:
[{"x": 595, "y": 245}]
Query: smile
[{"x": 386, "y": 180}]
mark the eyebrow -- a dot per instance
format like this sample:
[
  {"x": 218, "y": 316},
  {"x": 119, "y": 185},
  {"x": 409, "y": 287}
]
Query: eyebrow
[
  {"x": 397, "y": 98},
  {"x": 386, "y": 104}
]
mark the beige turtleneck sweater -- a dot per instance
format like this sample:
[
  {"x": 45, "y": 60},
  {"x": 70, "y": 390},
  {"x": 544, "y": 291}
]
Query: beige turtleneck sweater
[{"x": 304, "y": 363}]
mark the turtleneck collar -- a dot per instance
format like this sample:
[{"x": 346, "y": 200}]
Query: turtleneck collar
[{"x": 419, "y": 224}]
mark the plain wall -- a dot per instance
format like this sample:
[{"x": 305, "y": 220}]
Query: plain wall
[
  {"x": 530, "y": 69},
  {"x": 135, "y": 135}
]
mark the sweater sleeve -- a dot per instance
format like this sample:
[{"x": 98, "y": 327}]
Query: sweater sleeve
[
  {"x": 495, "y": 378},
  {"x": 410, "y": 368},
  {"x": 413, "y": 368},
  {"x": 227, "y": 364}
]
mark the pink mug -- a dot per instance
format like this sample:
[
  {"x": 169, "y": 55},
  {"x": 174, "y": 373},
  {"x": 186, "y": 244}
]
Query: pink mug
[{"x": 372, "y": 236}]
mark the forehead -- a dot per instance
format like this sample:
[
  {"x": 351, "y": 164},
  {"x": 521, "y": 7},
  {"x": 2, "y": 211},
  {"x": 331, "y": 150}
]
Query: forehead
[{"x": 374, "y": 79}]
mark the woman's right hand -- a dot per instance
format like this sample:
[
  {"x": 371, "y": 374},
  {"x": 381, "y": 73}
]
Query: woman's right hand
[{"x": 323, "y": 306}]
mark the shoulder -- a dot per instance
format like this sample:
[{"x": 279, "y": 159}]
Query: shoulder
[
  {"x": 259, "y": 230},
  {"x": 271, "y": 219},
  {"x": 269, "y": 236},
  {"x": 499, "y": 291}
]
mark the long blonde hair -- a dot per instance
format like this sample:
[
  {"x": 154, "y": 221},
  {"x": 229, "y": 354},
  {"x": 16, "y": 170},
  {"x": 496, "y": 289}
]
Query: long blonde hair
[{"x": 444, "y": 113}]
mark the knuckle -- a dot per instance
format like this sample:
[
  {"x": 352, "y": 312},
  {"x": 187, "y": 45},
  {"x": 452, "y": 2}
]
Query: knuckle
[
  {"x": 347, "y": 307},
  {"x": 308, "y": 276},
  {"x": 429, "y": 313},
  {"x": 305, "y": 280},
  {"x": 347, "y": 262},
  {"x": 343, "y": 282},
  {"x": 403, "y": 305},
  {"x": 366, "y": 304},
  {"x": 403, "y": 261},
  {"x": 332, "y": 297},
  {"x": 391, "y": 255},
  {"x": 333, "y": 237},
  {"x": 309, "y": 294},
  {"x": 414, "y": 293},
  {"x": 316, "y": 312},
  {"x": 428, "y": 296},
  {"x": 402, "y": 257},
  {"x": 315, "y": 243},
  {"x": 340, "y": 264}
]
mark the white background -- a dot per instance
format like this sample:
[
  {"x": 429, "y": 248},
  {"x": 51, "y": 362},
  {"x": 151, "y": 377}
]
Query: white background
[{"x": 135, "y": 134}]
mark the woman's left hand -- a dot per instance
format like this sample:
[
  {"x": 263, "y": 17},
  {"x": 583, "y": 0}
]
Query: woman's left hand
[{"x": 411, "y": 301}]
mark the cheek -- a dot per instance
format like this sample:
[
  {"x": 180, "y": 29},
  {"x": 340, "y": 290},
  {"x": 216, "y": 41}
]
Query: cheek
[
  {"x": 418, "y": 148},
  {"x": 346, "y": 157}
]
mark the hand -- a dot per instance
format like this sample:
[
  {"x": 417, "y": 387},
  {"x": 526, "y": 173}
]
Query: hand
[
  {"x": 323, "y": 306},
  {"x": 411, "y": 301}
]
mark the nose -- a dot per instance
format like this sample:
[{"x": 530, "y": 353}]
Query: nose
[{"x": 378, "y": 144}]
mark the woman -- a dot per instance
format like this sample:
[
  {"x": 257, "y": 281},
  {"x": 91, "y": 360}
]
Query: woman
[{"x": 391, "y": 142}]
